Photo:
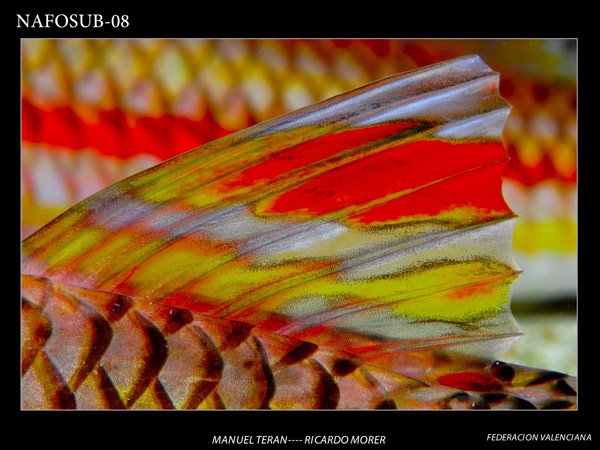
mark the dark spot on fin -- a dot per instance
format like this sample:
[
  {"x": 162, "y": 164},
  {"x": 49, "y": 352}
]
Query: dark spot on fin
[
  {"x": 268, "y": 375},
  {"x": 502, "y": 371},
  {"x": 461, "y": 397},
  {"x": 507, "y": 401},
  {"x": 481, "y": 404},
  {"x": 225, "y": 334},
  {"x": 178, "y": 318},
  {"x": 563, "y": 387},
  {"x": 386, "y": 404},
  {"x": 558, "y": 404},
  {"x": 494, "y": 397},
  {"x": 111, "y": 394},
  {"x": 118, "y": 308},
  {"x": 330, "y": 392},
  {"x": 522, "y": 404},
  {"x": 546, "y": 377},
  {"x": 466, "y": 401},
  {"x": 161, "y": 395},
  {"x": 299, "y": 353},
  {"x": 343, "y": 367}
]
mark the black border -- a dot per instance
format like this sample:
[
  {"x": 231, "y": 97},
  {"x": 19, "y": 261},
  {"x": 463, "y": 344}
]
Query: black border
[{"x": 429, "y": 429}]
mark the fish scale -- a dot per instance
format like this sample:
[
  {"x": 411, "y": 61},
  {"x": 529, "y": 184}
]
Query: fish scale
[
  {"x": 179, "y": 359},
  {"x": 168, "y": 291}
]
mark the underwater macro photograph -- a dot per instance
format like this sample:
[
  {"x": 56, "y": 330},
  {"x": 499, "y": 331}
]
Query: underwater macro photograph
[{"x": 299, "y": 224}]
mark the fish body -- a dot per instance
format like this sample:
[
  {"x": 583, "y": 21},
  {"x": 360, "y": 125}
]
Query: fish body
[
  {"x": 356, "y": 253},
  {"x": 99, "y": 350}
]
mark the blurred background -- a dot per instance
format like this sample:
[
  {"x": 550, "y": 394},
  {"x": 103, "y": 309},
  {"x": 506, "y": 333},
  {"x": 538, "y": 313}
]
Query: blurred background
[{"x": 96, "y": 111}]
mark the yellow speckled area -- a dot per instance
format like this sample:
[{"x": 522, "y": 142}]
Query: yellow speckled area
[
  {"x": 253, "y": 263},
  {"x": 450, "y": 290}
]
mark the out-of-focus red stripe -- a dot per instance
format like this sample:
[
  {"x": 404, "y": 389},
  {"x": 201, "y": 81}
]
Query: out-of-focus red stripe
[
  {"x": 115, "y": 133},
  {"x": 533, "y": 175}
]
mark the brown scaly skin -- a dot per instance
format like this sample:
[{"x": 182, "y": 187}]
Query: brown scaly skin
[{"x": 91, "y": 349}]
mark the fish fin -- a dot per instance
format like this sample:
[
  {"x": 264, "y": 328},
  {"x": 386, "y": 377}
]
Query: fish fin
[{"x": 109, "y": 351}]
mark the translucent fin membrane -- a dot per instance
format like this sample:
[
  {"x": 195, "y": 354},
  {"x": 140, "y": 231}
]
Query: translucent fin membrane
[
  {"x": 372, "y": 222},
  {"x": 93, "y": 349}
]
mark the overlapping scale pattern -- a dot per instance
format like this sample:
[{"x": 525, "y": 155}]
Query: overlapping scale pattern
[
  {"x": 371, "y": 225},
  {"x": 136, "y": 355}
]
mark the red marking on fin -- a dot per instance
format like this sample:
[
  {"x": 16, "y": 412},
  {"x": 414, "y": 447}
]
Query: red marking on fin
[
  {"x": 479, "y": 189},
  {"x": 470, "y": 381},
  {"x": 316, "y": 150},
  {"x": 389, "y": 172}
]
